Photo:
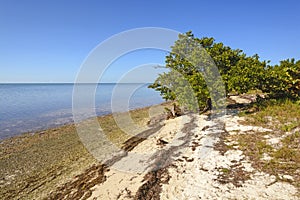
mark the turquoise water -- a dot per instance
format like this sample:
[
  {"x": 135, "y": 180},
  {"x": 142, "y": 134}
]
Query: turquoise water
[{"x": 32, "y": 107}]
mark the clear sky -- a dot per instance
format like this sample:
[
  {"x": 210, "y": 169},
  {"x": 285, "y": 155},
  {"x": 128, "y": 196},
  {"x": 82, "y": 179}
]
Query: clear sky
[{"x": 47, "y": 41}]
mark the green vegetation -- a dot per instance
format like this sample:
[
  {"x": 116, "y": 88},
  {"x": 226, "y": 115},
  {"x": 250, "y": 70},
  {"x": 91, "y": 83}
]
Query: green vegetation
[
  {"x": 192, "y": 73},
  {"x": 283, "y": 80},
  {"x": 279, "y": 114},
  {"x": 283, "y": 117}
]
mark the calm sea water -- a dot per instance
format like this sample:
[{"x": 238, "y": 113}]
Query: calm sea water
[{"x": 32, "y": 107}]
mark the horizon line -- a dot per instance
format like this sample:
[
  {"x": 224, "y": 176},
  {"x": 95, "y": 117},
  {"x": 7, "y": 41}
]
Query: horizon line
[{"x": 72, "y": 83}]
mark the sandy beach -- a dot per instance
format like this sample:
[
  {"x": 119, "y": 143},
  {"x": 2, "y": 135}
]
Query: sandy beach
[
  {"x": 192, "y": 167},
  {"x": 189, "y": 157}
]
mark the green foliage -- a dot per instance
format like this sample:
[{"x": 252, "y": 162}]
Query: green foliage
[
  {"x": 248, "y": 74},
  {"x": 283, "y": 80},
  {"x": 201, "y": 69},
  {"x": 184, "y": 82}
]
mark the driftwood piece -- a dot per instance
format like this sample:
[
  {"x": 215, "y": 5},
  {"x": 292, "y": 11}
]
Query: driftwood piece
[{"x": 175, "y": 111}]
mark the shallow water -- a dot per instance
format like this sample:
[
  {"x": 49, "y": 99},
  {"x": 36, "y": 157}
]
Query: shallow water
[{"x": 31, "y": 107}]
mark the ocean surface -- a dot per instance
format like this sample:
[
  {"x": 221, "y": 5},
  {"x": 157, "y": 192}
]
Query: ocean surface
[{"x": 33, "y": 107}]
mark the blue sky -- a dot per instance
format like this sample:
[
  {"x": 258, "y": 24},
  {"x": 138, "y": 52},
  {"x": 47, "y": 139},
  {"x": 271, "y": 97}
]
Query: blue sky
[{"x": 47, "y": 41}]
